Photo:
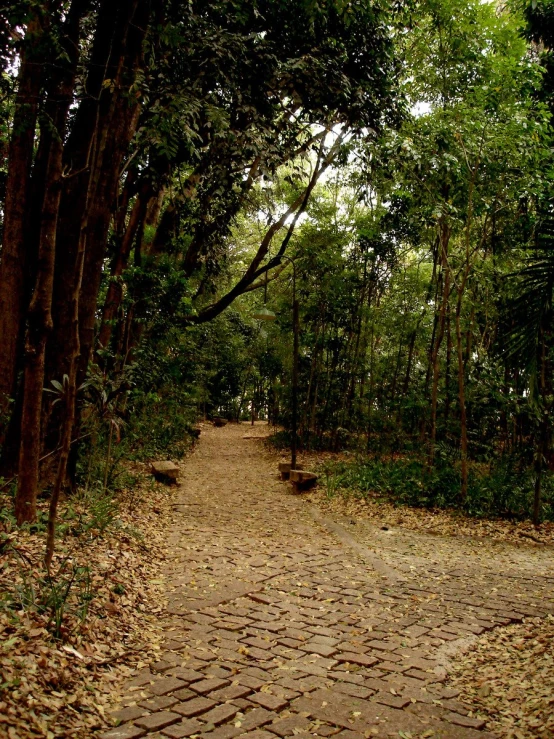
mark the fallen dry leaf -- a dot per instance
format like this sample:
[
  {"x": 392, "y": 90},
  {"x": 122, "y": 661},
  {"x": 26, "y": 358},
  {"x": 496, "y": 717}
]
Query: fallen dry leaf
[
  {"x": 515, "y": 689},
  {"x": 63, "y": 687}
]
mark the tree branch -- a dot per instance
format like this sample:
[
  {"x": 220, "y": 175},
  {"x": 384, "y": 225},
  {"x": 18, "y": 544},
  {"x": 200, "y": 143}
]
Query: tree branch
[
  {"x": 270, "y": 278},
  {"x": 254, "y": 270}
]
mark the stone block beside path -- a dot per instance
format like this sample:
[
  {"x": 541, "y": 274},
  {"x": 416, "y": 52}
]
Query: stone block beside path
[{"x": 165, "y": 471}]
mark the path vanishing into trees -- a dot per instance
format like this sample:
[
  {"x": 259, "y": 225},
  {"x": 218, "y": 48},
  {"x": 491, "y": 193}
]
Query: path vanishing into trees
[{"x": 280, "y": 621}]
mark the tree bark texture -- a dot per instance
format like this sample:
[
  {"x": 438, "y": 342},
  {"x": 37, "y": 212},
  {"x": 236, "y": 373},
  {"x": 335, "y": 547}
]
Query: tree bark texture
[
  {"x": 39, "y": 326},
  {"x": 114, "y": 294},
  {"x": 80, "y": 185},
  {"x": 102, "y": 129},
  {"x": 14, "y": 257},
  {"x": 39, "y": 319}
]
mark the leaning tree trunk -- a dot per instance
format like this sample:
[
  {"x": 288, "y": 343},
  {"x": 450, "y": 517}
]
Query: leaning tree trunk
[{"x": 114, "y": 294}]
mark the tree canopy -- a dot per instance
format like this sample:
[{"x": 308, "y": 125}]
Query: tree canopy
[{"x": 168, "y": 167}]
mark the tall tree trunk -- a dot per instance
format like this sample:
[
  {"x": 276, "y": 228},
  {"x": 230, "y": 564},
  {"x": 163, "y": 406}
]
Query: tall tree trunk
[
  {"x": 504, "y": 411},
  {"x": 462, "y": 398},
  {"x": 541, "y": 451},
  {"x": 78, "y": 158},
  {"x": 313, "y": 413},
  {"x": 14, "y": 257},
  {"x": 411, "y": 347},
  {"x": 95, "y": 147},
  {"x": 447, "y": 395},
  {"x": 70, "y": 406},
  {"x": 445, "y": 237},
  {"x": 371, "y": 388},
  {"x": 469, "y": 332},
  {"x": 102, "y": 130},
  {"x": 431, "y": 352},
  {"x": 392, "y": 396},
  {"x": 461, "y": 286},
  {"x": 119, "y": 118},
  {"x": 39, "y": 326},
  {"x": 313, "y": 365},
  {"x": 40, "y": 309},
  {"x": 436, "y": 284},
  {"x": 355, "y": 364}
]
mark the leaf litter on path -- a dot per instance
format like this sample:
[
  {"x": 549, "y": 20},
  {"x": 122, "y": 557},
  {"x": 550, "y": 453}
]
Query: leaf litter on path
[
  {"x": 435, "y": 521},
  {"x": 508, "y": 677},
  {"x": 507, "y": 674}
]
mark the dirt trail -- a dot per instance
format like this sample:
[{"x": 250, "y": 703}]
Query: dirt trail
[{"x": 280, "y": 621}]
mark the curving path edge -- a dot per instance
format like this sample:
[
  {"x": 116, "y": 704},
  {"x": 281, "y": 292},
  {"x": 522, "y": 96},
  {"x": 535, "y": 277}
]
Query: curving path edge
[{"x": 279, "y": 622}]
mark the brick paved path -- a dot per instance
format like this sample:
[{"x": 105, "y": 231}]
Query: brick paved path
[{"x": 280, "y": 622}]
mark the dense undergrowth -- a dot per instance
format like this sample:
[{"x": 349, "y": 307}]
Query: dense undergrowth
[
  {"x": 124, "y": 427},
  {"x": 500, "y": 490},
  {"x": 500, "y": 487}
]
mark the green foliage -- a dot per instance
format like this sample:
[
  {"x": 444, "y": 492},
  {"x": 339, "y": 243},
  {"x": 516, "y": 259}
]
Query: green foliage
[
  {"x": 67, "y": 593},
  {"x": 414, "y": 261},
  {"x": 527, "y": 313},
  {"x": 101, "y": 511},
  {"x": 504, "y": 490},
  {"x": 160, "y": 424},
  {"x": 55, "y": 594}
]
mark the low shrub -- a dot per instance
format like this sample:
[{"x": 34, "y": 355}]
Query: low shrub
[{"x": 501, "y": 490}]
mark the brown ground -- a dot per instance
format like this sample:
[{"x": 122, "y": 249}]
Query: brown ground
[{"x": 283, "y": 620}]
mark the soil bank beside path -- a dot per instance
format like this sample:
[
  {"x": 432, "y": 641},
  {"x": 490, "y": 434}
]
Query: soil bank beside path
[{"x": 280, "y": 621}]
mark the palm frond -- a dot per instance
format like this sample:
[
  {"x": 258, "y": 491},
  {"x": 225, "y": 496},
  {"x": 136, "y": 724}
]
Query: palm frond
[{"x": 526, "y": 314}]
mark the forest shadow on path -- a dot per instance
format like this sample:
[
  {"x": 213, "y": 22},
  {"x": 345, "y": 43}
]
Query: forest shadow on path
[{"x": 280, "y": 621}]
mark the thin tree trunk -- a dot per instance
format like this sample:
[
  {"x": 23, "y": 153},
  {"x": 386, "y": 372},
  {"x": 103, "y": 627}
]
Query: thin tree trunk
[
  {"x": 437, "y": 257},
  {"x": 411, "y": 347},
  {"x": 447, "y": 395},
  {"x": 313, "y": 365},
  {"x": 445, "y": 237},
  {"x": 70, "y": 406},
  {"x": 469, "y": 333},
  {"x": 431, "y": 352},
  {"x": 114, "y": 294},
  {"x": 371, "y": 387},
  {"x": 542, "y": 446},
  {"x": 504, "y": 412},
  {"x": 329, "y": 390},
  {"x": 459, "y": 347},
  {"x": 312, "y": 422},
  {"x": 462, "y": 398},
  {"x": 392, "y": 397}
]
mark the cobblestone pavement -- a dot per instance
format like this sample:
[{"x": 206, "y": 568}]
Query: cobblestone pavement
[{"x": 280, "y": 622}]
